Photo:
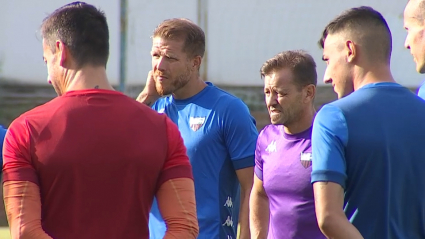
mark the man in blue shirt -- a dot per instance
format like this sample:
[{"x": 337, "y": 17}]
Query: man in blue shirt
[
  {"x": 368, "y": 145},
  {"x": 217, "y": 128},
  {"x": 2, "y": 134},
  {"x": 414, "y": 23}
]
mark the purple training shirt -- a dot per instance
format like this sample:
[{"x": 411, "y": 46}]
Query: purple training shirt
[{"x": 283, "y": 163}]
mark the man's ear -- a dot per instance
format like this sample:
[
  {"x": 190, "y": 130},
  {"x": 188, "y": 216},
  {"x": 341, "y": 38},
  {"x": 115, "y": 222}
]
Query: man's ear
[
  {"x": 351, "y": 50},
  {"x": 62, "y": 51},
  {"x": 309, "y": 93},
  {"x": 196, "y": 62}
]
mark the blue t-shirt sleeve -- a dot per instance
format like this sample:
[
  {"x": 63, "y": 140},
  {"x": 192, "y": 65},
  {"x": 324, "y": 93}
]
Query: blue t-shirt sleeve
[
  {"x": 421, "y": 91},
  {"x": 329, "y": 139},
  {"x": 240, "y": 134}
]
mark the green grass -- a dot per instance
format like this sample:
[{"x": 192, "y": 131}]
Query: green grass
[{"x": 4, "y": 233}]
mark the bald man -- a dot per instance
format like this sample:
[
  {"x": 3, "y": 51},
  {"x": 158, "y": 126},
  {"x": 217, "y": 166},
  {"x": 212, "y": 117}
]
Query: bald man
[
  {"x": 414, "y": 23},
  {"x": 367, "y": 176}
]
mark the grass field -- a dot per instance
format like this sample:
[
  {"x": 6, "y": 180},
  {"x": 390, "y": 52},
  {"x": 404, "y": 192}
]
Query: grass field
[{"x": 4, "y": 233}]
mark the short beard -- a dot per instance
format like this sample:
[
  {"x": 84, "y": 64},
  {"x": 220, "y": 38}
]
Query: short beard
[{"x": 179, "y": 82}]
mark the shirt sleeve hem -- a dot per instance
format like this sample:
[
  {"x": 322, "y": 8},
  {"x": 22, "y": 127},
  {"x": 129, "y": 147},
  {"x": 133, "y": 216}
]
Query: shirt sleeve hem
[
  {"x": 258, "y": 173},
  {"x": 181, "y": 171},
  {"x": 328, "y": 176},
  {"x": 23, "y": 174},
  {"x": 244, "y": 163}
]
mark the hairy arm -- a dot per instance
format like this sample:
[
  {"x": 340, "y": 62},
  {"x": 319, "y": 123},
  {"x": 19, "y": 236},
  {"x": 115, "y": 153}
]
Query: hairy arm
[
  {"x": 329, "y": 200},
  {"x": 149, "y": 94},
  {"x": 176, "y": 202},
  {"x": 259, "y": 213},
  {"x": 245, "y": 177},
  {"x": 23, "y": 210}
]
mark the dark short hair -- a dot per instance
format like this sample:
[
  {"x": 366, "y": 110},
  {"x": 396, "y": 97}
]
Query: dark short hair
[
  {"x": 83, "y": 30},
  {"x": 183, "y": 29},
  {"x": 367, "y": 21},
  {"x": 301, "y": 64}
]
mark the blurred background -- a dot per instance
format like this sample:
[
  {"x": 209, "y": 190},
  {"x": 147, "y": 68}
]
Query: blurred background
[{"x": 240, "y": 36}]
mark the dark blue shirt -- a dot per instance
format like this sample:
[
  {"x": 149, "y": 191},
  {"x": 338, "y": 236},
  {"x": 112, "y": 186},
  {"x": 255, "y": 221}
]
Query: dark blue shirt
[{"x": 372, "y": 143}]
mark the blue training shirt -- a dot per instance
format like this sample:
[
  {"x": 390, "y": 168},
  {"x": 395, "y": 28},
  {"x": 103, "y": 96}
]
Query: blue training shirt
[
  {"x": 2, "y": 135},
  {"x": 421, "y": 91},
  {"x": 220, "y": 136},
  {"x": 371, "y": 143}
]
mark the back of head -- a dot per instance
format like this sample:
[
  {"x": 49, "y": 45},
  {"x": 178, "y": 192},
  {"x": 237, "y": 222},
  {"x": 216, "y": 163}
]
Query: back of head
[
  {"x": 83, "y": 30},
  {"x": 366, "y": 27},
  {"x": 300, "y": 63},
  {"x": 183, "y": 29}
]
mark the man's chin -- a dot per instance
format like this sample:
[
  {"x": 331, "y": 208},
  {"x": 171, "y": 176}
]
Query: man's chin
[
  {"x": 275, "y": 121},
  {"x": 421, "y": 69},
  {"x": 163, "y": 92}
]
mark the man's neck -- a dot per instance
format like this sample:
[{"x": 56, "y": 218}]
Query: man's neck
[
  {"x": 87, "y": 78},
  {"x": 373, "y": 74},
  {"x": 193, "y": 87},
  {"x": 304, "y": 123}
]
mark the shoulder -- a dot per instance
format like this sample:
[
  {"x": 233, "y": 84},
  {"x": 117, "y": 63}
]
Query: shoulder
[
  {"x": 40, "y": 112},
  {"x": 2, "y": 135},
  {"x": 329, "y": 122},
  {"x": 161, "y": 103},
  {"x": 226, "y": 102},
  {"x": 268, "y": 134},
  {"x": 268, "y": 129}
]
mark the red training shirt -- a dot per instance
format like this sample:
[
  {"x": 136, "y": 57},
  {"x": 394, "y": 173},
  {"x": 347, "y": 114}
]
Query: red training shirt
[{"x": 98, "y": 157}]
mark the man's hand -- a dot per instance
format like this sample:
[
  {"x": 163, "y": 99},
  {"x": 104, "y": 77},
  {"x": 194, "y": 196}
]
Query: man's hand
[{"x": 149, "y": 94}]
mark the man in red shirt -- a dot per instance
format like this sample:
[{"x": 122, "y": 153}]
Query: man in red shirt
[{"x": 88, "y": 163}]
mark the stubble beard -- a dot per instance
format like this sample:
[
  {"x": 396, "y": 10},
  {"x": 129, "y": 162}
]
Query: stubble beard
[{"x": 173, "y": 84}]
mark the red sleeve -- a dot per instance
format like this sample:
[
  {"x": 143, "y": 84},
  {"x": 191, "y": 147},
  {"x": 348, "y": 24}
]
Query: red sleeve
[
  {"x": 177, "y": 163},
  {"x": 17, "y": 164}
]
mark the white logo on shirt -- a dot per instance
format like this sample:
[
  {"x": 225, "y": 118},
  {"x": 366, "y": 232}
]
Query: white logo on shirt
[
  {"x": 306, "y": 159},
  {"x": 196, "y": 123},
  {"x": 229, "y": 202},
  {"x": 161, "y": 111},
  {"x": 228, "y": 222},
  {"x": 271, "y": 147},
  {"x": 229, "y": 237}
]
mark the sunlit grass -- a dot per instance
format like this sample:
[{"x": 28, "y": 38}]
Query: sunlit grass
[{"x": 4, "y": 233}]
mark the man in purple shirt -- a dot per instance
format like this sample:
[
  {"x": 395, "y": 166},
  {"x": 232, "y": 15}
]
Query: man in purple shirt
[{"x": 282, "y": 203}]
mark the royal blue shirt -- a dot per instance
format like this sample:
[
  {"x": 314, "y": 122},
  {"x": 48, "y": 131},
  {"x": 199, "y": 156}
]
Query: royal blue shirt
[
  {"x": 2, "y": 134},
  {"x": 371, "y": 142},
  {"x": 421, "y": 91},
  {"x": 220, "y": 136}
]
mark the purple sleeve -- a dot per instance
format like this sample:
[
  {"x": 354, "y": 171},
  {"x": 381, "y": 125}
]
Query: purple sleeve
[{"x": 258, "y": 161}]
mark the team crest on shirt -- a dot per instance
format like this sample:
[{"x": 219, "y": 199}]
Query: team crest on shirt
[
  {"x": 306, "y": 159},
  {"x": 196, "y": 123}
]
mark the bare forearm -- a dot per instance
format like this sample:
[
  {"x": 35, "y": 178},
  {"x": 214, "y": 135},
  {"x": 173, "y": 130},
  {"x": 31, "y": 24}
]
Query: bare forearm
[
  {"x": 338, "y": 227},
  {"x": 259, "y": 215},
  {"x": 244, "y": 216},
  {"x": 146, "y": 98}
]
